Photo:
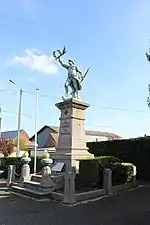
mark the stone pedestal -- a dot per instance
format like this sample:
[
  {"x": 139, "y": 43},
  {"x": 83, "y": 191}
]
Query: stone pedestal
[
  {"x": 47, "y": 183},
  {"x": 72, "y": 141},
  {"x": 25, "y": 170}
]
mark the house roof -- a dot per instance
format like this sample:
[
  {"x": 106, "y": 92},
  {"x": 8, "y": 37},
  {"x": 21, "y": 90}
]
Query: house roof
[
  {"x": 102, "y": 134},
  {"x": 55, "y": 128},
  {"x": 10, "y": 134},
  {"x": 52, "y": 140},
  {"x": 87, "y": 132}
]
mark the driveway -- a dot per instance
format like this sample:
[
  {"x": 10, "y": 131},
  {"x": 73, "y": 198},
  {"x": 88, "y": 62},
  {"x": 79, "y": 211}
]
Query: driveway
[{"x": 127, "y": 208}]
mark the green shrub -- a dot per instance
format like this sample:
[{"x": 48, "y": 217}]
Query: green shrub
[
  {"x": 107, "y": 161},
  {"x": 91, "y": 171},
  {"x": 6, "y": 161},
  {"x": 122, "y": 173}
]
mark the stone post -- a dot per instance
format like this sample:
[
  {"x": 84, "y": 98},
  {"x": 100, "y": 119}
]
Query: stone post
[
  {"x": 25, "y": 170},
  {"x": 11, "y": 175},
  {"x": 134, "y": 176},
  {"x": 107, "y": 180},
  {"x": 47, "y": 183},
  {"x": 69, "y": 192}
]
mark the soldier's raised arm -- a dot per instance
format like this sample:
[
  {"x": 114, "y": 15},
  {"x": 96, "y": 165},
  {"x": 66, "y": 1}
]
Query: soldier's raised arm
[{"x": 63, "y": 64}]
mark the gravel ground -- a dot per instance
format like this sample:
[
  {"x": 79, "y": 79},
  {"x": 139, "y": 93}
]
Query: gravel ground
[{"x": 127, "y": 208}]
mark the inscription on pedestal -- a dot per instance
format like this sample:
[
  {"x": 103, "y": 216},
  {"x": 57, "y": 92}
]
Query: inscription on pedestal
[{"x": 65, "y": 127}]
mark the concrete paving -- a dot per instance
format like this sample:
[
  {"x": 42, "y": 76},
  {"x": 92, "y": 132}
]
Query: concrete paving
[{"x": 127, "y": 208}]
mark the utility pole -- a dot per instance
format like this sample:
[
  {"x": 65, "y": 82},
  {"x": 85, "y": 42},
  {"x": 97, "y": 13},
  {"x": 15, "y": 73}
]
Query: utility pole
[
  {"x": 19, "y": 116},
  {"x": 19, "y": 123},
  {"x": 35, "y": 140}
]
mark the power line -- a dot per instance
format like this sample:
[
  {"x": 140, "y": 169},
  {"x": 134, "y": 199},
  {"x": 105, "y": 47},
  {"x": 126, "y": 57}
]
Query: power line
[
  {"x": 86, "y": 124},
  {"x": 40, "y": 95},
  {"x": 100, "y": 106},
  {"x": 4, "y": 90},
  {"x": 95, "y": 125},
  {"x": 105, "y": 107},
  {"x": 120, "y": 109},
  {"x": 94, "y": 105},
  {"x": 14, "y": 113},
  {"x": 25, "y": 22}
]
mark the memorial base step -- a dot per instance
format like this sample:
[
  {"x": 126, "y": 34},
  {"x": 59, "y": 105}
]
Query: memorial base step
[
  {"x": 32, "y": 185},
  {"x": 36, "y": 178},
  {"x": 31, "y": 192}
]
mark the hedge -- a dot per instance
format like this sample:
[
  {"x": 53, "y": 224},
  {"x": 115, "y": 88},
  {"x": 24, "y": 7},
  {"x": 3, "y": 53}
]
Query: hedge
[
  {"x": 6, "y": 161},
  {"x": 122, "y": 173},
  {"x": 136, "y": 151},
  {"x": 91, "y": 172}
]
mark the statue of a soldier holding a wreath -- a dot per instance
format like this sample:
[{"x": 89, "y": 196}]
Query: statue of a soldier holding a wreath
[{"x": 75, "y": 75}]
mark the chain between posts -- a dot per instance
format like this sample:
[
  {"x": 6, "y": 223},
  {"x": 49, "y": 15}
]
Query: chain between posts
[
  {"x": 57, "y": 182},
  {"x": 18, "y": 175}
]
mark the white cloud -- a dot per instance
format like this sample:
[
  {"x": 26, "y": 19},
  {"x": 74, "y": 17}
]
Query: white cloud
[{"x": 36, "y": 60}]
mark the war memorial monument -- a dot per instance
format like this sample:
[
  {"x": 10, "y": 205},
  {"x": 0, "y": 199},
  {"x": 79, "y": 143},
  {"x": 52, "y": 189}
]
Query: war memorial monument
[{"x": 71, "y": 142}]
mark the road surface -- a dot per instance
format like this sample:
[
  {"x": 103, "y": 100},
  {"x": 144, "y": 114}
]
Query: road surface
[{"x": 127, "y": 208}]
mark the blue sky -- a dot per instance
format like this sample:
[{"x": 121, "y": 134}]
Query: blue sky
[{"x": 109, "y": 36}]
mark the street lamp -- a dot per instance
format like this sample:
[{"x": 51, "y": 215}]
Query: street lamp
[{"x": 19, "y": 117}]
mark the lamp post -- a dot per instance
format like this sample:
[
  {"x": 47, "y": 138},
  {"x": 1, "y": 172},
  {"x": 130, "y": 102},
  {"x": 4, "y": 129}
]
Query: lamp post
[
  {"x": 35, "y": 141},
  {"x": 19, "y": 117}
]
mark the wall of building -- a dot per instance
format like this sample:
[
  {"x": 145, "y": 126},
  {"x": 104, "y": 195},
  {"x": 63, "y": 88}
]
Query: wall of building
[
  {"x": 43, "y": 136},
  {"x": 90, "y": 138},
  {"x": 40, "y": 152},
  {"x": 13, "y": 154}
]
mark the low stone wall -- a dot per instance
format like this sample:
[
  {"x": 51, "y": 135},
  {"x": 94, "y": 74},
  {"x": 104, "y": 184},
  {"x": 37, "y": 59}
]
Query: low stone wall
[
  {"x": 90, "y": 194},
  {"x": 57, "y": 196},
  {"x": 58, "y": 181},
  {"x": 93, "y": 194},
  {"x": 122, "y": 187}
]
